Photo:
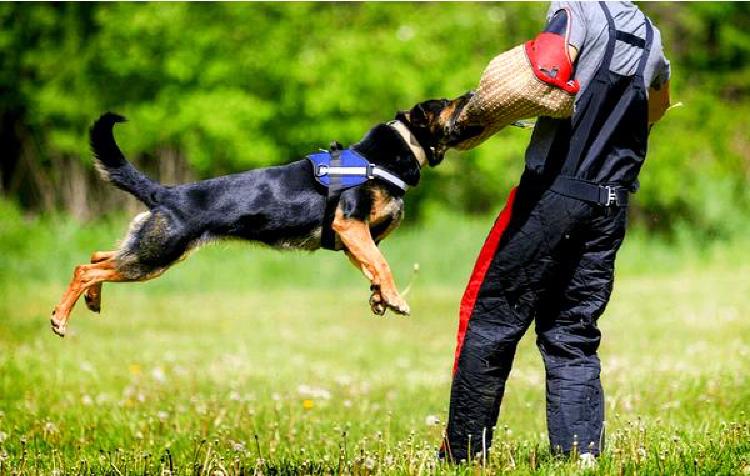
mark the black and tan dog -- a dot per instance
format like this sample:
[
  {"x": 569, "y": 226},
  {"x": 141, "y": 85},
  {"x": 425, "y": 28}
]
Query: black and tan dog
[{"x": 281, "y": 206}]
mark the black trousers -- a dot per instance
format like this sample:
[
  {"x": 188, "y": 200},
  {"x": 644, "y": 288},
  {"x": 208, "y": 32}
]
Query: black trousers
[{"x": 553, "y": 264}]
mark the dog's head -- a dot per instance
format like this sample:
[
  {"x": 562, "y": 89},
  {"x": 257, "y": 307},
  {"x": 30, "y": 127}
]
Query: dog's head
[{"x": 432, "y": 123}]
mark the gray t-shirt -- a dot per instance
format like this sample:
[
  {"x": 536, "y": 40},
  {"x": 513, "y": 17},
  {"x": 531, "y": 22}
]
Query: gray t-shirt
[{"x": 589, "y": 33}]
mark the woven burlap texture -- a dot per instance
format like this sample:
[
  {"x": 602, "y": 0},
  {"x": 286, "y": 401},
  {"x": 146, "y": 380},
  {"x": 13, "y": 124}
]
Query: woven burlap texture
[{"x": 509, "y": 91}]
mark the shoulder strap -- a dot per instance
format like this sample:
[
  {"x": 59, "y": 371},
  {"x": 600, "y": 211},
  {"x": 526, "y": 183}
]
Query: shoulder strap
[
  {"x": 646, "y": 48},
  {"x": 631, "y": 39},
  {"x": 612, "y": 32}
]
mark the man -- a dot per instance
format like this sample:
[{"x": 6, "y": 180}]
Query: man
[{"x": 550, "y": 256}]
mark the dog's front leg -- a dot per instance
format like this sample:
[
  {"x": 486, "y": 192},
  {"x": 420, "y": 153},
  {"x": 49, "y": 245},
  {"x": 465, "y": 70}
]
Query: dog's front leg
[
  {"x": 365, "y": 255},
  {"x": 376, "y": 299}
]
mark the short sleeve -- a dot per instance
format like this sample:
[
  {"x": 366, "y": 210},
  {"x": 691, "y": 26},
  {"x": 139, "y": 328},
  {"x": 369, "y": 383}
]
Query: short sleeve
[
  {"x": 577, "y": 19},
  {"x": 662, "y": 69}
]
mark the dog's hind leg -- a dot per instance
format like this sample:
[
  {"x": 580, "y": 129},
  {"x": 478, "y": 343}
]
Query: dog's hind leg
[
  {"x": 84, "y": 277},
  {"x": 154, "y": 242},
  {"x": 93, "y": 295}
]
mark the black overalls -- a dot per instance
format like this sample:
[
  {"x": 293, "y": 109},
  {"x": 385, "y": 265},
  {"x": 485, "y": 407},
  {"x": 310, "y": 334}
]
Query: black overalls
[{"x": 550, "y": 259}]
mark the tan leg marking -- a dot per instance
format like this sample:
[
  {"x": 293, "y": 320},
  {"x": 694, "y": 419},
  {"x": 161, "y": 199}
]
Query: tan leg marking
[
  {"x": 84, "y": 276},
  {"x": 355, "y": 235},
  {"x": 376, "y": 299},
  {"x": 384, "y": 207},
  {"x": 93, "y": 295}
]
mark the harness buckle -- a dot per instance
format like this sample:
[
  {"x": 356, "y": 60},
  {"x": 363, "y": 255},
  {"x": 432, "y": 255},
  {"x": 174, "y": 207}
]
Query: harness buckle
[
  {"x": 370, "y": 171},
  {"x": 611, "y": 196},
  {"x": 321, "y": 170}
]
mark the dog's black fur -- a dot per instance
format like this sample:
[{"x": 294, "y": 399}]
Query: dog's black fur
[{"x": 281, "y": 206}]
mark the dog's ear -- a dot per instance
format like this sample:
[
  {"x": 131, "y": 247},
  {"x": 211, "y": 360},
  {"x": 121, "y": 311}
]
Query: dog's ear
[
  {"x": 403, "y": 116},
  {"x": 419, "y": 116}
]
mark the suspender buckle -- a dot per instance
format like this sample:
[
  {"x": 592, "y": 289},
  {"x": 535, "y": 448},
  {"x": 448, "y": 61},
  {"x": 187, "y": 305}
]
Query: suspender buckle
[{"x": 611, "y": 197}]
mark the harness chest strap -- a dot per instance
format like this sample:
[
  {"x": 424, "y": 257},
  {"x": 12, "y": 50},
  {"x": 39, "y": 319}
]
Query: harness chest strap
[
  {"x": 339, "y": 170},
  {"x": 370, "y": 172},
  {"x": 346, "y": 168}
]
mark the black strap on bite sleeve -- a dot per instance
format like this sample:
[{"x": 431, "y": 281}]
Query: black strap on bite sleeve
[{"x": 327, "y": 234}]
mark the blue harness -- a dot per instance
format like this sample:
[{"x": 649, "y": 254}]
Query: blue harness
[
  {"x": 338, "y": 170},
  {"x": 342, "y": 169}
]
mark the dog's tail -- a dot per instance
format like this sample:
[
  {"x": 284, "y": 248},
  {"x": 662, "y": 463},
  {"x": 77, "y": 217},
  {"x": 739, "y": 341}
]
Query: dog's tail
[{"x": 113, "y": 167}]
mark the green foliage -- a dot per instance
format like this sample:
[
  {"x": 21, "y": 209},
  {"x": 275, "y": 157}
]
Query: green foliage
[{"x": 232, "y": 86}]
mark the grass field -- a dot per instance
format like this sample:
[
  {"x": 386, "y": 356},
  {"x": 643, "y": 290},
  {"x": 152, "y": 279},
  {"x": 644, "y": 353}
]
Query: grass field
[{"x": 243, "y": 359}]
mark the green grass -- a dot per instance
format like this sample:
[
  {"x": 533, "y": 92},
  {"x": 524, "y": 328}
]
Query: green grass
[{"x": 239, "y": 343}]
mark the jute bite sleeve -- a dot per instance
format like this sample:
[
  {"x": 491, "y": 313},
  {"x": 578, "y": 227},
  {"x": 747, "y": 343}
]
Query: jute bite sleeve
[{"x": 530, "y": 80}]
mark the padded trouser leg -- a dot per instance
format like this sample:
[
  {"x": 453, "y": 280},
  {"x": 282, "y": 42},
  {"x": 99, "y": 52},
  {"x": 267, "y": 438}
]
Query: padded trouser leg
[
  {"x": 527, "y": 256},
  {"x": 568, "y": 337},
  {"x": 479, "y": 385},
  {"x": 575, "y": 400}
]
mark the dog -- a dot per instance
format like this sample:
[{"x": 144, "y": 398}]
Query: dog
[{"x": 281, "y": 206}]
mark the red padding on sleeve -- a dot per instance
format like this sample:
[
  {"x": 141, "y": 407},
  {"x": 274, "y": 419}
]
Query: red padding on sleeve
[
  {"x": 550, "y": 60},
  {"x": 480, "y": 269}
]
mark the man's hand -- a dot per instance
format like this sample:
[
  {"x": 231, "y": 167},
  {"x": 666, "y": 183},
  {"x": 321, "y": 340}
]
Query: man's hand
[{"x": 658, "y": 102}]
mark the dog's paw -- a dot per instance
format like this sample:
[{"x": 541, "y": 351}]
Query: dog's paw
[
  {"x": 402, "y": 309},
  {"x": 58, "y": 325},
  {"x": 397, "y": 304},
  {"x": 376, "y": 303}
]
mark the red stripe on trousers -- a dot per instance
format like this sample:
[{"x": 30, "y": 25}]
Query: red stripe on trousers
[{"x": 480, "y": 269}]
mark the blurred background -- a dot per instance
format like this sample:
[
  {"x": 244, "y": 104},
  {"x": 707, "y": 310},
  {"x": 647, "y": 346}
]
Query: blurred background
[{"x": 217, "y": 88}]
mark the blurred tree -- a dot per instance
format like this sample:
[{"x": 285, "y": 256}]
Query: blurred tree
[{"x": 217, "y": 88}]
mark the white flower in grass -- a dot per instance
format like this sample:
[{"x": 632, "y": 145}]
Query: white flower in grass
[
  {"x": 87, "y": 400},
  {"x": 587, "y": 461},
  {"x": 238, "y": 446},
  {"x": 159, "y": 375},
  {"x": 162, "y": 416},
  {"x": 344, "y": 380},
  {"x": 314, "y": 392},
  {"x": 3, "y": 436},
  {"x": 431, "y": 420},
  {"x": 642, "y": 452}
]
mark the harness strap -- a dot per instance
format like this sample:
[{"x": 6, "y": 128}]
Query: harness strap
[
  {"x": 605, "y": 195},
  {"x": 631, "y": 39},
  {"x": 341, "y": 174},
  {"x": 610, "y": 51},
  {"x": 327, "y": 235},
  {"x": 371, "y": 171},
  {"x": 575, "y": 159},
  {"x": 646, "y": 49}
]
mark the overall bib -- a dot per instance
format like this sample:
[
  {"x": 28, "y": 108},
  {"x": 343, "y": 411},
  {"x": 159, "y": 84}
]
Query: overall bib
[{"x": 549, "y": 258}]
